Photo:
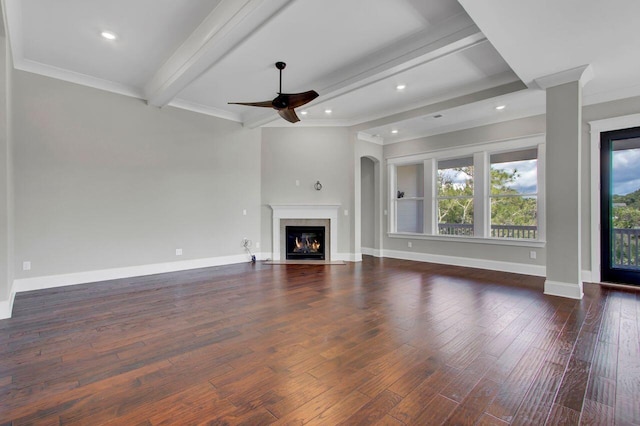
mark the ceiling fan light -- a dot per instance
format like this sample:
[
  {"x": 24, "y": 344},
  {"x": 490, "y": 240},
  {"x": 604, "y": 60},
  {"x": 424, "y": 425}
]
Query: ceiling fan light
[
  {"x": 400, "y": 87},
  {"x": 500, "y": 107},
  {"x": 327, "y": 111}
]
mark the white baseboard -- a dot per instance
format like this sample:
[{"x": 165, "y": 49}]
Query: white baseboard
[
  {"x": 570, "y": 290},
  {"x": 348, "y": 257},
  {"x": 371, "y": 251},
  {"x": 6, "y": 306},
  {"x": 494, "y": 265},
  {"x": 51, "y": 281}
]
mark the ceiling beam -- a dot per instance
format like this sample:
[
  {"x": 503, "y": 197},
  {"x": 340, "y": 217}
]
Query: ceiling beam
[
  {"x": 443, "y": 105},
  {"x": 222, "y": 31},
  {"x": 448, "y": 37}
]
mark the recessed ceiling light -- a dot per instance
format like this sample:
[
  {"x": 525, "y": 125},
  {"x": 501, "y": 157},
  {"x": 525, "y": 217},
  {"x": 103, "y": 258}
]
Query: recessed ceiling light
[
  {"x": 327, "y": 111},
  {"x": 108, "y": 35},
  {"x": 303, "y": 112},
  {"x": 401, "y": 86},
  {"x": 394, "y": 131},
  {"x": 501, "y": 107}
]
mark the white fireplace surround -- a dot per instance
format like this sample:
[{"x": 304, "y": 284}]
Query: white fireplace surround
[{"x": 305, "y": 211}]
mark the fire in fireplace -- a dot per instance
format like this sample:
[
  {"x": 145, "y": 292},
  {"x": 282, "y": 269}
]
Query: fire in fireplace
[{"x": 305, "y": 242}]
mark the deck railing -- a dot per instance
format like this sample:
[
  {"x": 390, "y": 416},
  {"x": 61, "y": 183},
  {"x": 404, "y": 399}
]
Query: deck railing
[
  {"x": 497, "y": 231},
  {"x": 626, "y": 248}
]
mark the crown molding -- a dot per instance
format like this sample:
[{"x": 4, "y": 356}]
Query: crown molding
[
  {"x": 582, "y": 74},
  {"x": 204, "y": 109}
]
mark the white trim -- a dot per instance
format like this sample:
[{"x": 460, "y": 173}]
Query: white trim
[
  {"x": 569, "y": 290},
  {"x": 305, "y": 211},
  {"x": 587, "y": 277},
  {"x": 473, "y": 240},
  {"x": 511, "y": 144},
  {"x": 582, "y": 74},
  {"x": 348, "y": 257},
  {"x": 204, "y": 109},
  {"x": 597, "y": 127},
  {"x": 368, "y": 251},
  {"x": 76, "y": 78},
  {"x": 378, "y": 140},
  {"x": 219, "y": 34},
  {"x": 52, "y": 281},
  {"x": 6, "y": 306},
  {"x": 493, "y": 265}
]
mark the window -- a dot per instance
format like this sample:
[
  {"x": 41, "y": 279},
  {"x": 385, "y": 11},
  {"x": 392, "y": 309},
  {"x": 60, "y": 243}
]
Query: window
[
  {"x": 410, "y": 198},
  {"x": 455, "y": 196},
  {"x": 514, "y": 194},
  {"x": 493, "y": 191}
]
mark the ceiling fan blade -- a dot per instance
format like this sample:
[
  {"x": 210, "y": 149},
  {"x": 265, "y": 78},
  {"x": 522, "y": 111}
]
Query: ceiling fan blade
[
  {"x": 289, "y": 115},
  {"x": 295, "y": 100},
  {"x": 265, "y": 104}
]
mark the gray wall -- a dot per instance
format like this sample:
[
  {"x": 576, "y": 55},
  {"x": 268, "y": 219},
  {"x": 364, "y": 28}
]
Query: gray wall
[
  {"x": 367, "y": 197},
  {"x": 104, "y": 181},
  {"x": 308, "y": 155},
  {"x": 6, "y": 203}
]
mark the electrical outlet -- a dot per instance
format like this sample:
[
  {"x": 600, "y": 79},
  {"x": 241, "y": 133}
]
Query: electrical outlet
[
  {"x": 409, "y": 244},
  {"x": 26, "y": 265},
  {"x": 385, "y": 212},
  {"x": 533, "y": 254},
  {"x": 297, "y": 182},
  {"x": 178, "y": 252},
  {"x": 244, "y": 212},
  {"x": 258, "y": 245},
  {"x": 346, "y": 212}
]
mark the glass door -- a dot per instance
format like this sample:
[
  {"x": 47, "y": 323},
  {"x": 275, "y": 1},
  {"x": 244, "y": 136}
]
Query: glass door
[{"x": 620, "y": 205}]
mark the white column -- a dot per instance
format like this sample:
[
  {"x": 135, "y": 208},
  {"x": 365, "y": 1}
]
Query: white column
[{"x": 563, "y": 181}]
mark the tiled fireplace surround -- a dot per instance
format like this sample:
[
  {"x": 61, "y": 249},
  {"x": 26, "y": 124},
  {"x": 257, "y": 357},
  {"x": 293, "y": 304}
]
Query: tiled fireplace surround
[{"x": 305, "y": 215}]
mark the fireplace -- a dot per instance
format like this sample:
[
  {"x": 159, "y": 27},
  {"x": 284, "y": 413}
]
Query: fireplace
[
  {"x": 305, "y": 242},
  {"x": 305, "y": 215}
]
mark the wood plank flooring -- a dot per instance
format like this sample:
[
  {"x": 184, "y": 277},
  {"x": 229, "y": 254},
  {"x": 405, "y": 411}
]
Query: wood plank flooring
[{"x": 382, "y": 342}]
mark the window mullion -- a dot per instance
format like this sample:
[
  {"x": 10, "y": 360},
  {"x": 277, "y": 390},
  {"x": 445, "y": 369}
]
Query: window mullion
[
  {"x": 430, "y": 203},
  {"x": 481, "y": 204}
]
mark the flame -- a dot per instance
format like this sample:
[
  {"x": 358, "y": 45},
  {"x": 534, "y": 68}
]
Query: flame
[{"x": 305, "y": 244}]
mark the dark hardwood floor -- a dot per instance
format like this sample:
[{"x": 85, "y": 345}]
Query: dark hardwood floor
[{"x": 384, "y": 342}]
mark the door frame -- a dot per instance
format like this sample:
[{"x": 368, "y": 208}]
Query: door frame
[
  {"x": 598, "y": 127},
  {"x": 616, "y": 275}
]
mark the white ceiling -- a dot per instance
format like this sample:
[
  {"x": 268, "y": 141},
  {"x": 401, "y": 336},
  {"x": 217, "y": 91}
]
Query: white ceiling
[{"x": 456, "y": 62}]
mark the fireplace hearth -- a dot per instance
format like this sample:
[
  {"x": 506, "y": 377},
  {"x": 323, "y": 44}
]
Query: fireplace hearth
[{"x": 305, "y": 242}]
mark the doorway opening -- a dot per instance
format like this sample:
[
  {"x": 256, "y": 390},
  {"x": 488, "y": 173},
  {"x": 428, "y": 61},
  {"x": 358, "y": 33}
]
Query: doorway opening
[{"x": 620, "y": 206}]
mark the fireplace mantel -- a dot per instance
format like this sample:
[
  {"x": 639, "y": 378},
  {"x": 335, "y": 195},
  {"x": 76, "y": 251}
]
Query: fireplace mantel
[{"x": 305, "y": 211}]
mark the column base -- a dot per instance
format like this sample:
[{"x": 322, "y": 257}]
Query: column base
[{"x": 557, "y": 288}]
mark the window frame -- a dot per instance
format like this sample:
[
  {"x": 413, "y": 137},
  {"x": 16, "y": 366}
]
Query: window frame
[{"x": 481, "y": 154}]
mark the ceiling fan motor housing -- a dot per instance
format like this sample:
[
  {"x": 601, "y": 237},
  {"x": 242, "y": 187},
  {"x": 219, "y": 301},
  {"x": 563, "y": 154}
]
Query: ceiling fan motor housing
[{"x": 280, "y": 102}]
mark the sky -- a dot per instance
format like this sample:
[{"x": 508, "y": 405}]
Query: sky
[
  {"x": 626, "y": 171},
  {"x": 527, "y": 182}
]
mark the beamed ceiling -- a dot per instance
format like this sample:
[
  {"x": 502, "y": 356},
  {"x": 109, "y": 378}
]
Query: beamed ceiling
[{"x": 458, "y": 60}]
